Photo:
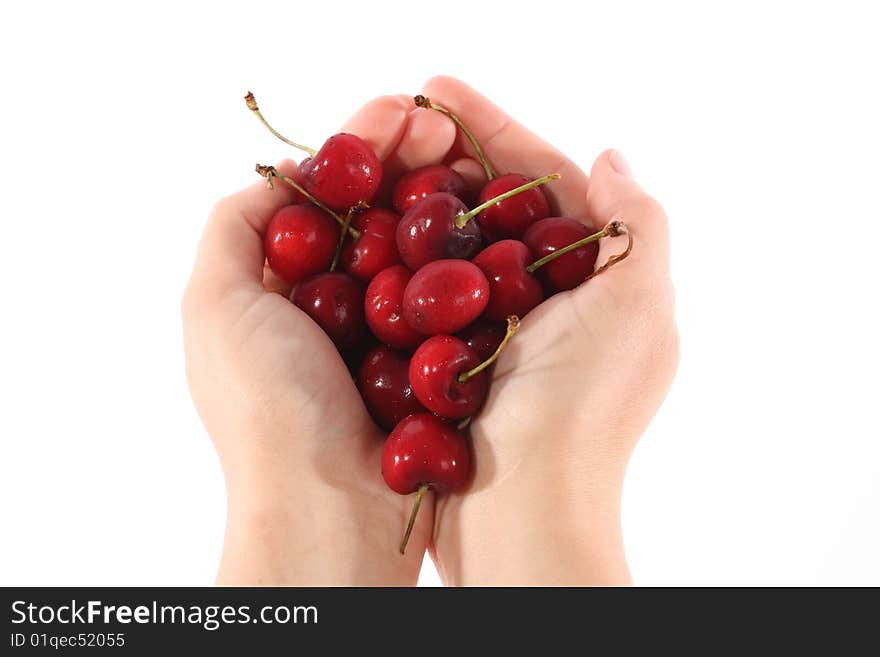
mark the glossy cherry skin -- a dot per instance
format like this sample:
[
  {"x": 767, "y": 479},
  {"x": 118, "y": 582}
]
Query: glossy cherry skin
[
  {"x": 424, "y": 450},
  {"x": 344, "y": 172},
  {"x": 298, "y": 196},
  {"x": 383, "y": 308},
  {"x": 434, "y": 370},
  {"x": 483, "y": 336},
  {"x": 383, "y": 381},
  {"x": 512, "y": 289},
  {"x": 444, "y": 296},
  {"x": 300, "y": 241},
  {"x": 427, "y": 232},
  {"x": 335, "y": 301},
  {"x": 569, "y": 270},
  {"x": 376, "y": 248},
  {"x": 510, "y": 218},
  {"x": 420, "y": 183}
]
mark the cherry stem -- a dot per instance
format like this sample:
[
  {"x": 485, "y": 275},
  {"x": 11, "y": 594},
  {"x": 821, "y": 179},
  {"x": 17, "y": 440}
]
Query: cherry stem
[
  {"x": 412, "y": 517},
  {"x": 612, "y": 229},
  {"x": 342, "y": 233},
  {"x": 512, "y": 327},
  {"x": 421, "y": 101},
  {"x": 462, "y": 219},
  {"x": 619, "y": 228},
  {"x": 270, "y": 172},
  {"x": 252, "y": 106},
  {"x": 550, "y": 257}
]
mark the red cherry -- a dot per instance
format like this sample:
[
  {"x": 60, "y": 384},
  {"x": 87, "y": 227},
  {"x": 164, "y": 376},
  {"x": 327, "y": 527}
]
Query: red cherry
[
  {"x": 300, "y": 241},
  {"x": 428, "y": 232},
  {"x": 568, "y": 270},
  {"x": 420, "y": 183},
  {"x": 355, "y": 356},
  {"x": 439, "y": 226},
  {"x": 335, "y": 301},
  {"x": 434, "y": 373},
  {"x": 383, "y": 308},
  {"x": 421, "y": 452},
  {"x": 376, "y": 248},
  {"x": 512, "y": 289},
  {"x": 444, "y": 296},
  {"x": 483, "y": 336},
  {"x": 342, "y": 173},
  {"x": 509, "y": 218},
  {"x": 423, "y": 449},
  {"x": 383, "y": 381}
]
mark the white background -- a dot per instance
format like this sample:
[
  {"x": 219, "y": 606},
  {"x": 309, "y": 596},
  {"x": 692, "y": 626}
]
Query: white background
[{"x": 755, "y": 124}]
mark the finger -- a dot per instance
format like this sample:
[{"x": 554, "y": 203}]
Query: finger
[
  {"x": 274, "y": 284},
  {"x": 381, "y": 123},
  {"x": 614, "y": 194},
  {"x": 427, "y": 138},
  {"x": 509, "y": 146},
  {"x": 230, "y": 254}
]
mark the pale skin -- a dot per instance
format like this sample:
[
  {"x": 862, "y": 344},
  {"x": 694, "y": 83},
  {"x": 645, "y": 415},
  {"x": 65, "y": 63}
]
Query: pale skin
[{"x": 569, "y": 399}]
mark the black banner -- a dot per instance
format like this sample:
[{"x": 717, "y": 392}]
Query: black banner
[{"x": 257, "y": 620}]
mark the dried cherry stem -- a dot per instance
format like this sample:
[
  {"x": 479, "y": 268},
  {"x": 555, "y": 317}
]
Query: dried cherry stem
[
  {"x": 270, "y": 172},
  {"x": 346, "y": 224},
  {"x": 421, "y": 101},
  {"x": 619, "y": 228},
  {"x": 612, "y": 229},
  {"x": 253, "y": 107},
  {"x": 462, "y": 219},
  {"x": 512, "y": 327},
  {"x": 412, "y": 517}
]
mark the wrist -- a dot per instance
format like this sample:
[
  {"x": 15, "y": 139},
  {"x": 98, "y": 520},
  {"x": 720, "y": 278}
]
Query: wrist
[
  {"x": 549, "y": 519},
  {"x": 298, "y": 530}
]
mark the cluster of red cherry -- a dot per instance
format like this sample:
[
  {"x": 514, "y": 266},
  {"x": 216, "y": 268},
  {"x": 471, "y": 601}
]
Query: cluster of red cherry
[{"x": 419, "y": 307}]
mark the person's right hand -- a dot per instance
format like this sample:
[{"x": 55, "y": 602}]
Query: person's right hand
[{"x": 573, "y": 391}]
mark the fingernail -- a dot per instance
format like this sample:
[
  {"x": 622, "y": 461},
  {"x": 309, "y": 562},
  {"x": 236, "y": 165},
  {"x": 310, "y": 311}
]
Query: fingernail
[{"x": 618, "y": 163}]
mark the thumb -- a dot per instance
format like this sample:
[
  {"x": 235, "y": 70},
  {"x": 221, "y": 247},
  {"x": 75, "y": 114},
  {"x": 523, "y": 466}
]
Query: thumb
[{"x": 614, "y": 194}]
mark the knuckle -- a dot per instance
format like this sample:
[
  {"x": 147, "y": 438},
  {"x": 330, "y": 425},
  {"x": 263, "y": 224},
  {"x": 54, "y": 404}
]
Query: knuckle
[
  {"x": 438, "y": 81},
  {"x": 223, "y": 206},
  {"x": 661, "y": 343},
  {"x": 646, "y": 208},
  {"x": 649, "y": 304},
  {"x": 195, "y": 302},
  {"x": 674, "y": 347},
  {"x": 187, "y": 302},
  {"x": 653, "y": 298}
]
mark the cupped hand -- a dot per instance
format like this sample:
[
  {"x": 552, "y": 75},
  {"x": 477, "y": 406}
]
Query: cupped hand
[
  {"x": 570, "y": 397},
  {"x": 575, "y": 388},
  {"x": 300, "y": 454}
]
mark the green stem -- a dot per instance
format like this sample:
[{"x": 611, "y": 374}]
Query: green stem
[
  {"x": 421, "y": 101},
  {"x": 342, "y": 233},
  {"x": 412, "y": 517},
  {"x": 269, "y": 172},
  {"x": 605, "y": 232},
  {"x": 462, "y": 219},
  {"x": 252, "y": 106},
  {"x": 512, "y": 327}
]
